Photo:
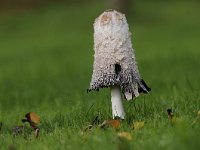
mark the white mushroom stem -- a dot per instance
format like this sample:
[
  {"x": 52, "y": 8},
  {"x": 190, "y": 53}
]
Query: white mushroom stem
[{"x": 117, "y": 106}]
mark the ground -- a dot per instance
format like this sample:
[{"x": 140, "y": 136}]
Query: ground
[{"x": 46, "y": 58}]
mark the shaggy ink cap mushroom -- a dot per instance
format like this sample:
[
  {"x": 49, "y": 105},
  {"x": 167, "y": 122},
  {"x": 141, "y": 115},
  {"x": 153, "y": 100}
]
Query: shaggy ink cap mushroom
[{"x": 114, "y": 59}]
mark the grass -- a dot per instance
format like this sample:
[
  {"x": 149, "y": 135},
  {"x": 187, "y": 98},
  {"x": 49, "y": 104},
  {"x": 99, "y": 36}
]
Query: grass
[{"x": 46, "y": 58}]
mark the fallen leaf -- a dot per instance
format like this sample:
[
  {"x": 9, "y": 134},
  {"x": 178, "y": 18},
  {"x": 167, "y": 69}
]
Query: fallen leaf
[
  {"x": 173, "y": 119},
  {"x": 198, "y": 113},
  {"x": 114, "y": 123},
  {"x": 32, "y": 118},
  {"x": 125, "y": 135},
  {"x": 170, "y": 114},
  {"x": 138, "y": 125},
  {"x": 34, "y": 121}
]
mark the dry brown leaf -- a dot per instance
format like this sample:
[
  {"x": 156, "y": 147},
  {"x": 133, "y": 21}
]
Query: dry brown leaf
[
  {"x": 138, "y": 125},
  {"x": 32, "y": 118},
  {"x": 172, "y": 118},
  {"x": 170, "y": 114},
  {"x": 125, "y": 135},
  {"x": 114, "y": 123},
  {"x": 198, "y": 113}
]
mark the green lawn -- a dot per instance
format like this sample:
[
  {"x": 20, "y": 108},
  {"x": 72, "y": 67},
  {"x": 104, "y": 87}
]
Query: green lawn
[{"x": 46, "y": 58}]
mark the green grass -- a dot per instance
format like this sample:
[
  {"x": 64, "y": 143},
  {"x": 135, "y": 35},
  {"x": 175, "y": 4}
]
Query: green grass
[{"x": 46, "y": 59}]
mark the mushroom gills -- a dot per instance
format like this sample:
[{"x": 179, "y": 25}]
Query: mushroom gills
[
  {"x": 143, "y": 88},
  {"x": 129, "y": 95},
  {"x": 136, "y": 90}
]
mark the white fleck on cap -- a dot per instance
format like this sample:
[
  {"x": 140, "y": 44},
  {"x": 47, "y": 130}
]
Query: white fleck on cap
[{"x": 114, "y": 60}]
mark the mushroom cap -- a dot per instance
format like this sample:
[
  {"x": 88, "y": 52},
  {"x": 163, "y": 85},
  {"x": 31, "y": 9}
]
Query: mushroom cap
[{"x": 114, "y": 59}]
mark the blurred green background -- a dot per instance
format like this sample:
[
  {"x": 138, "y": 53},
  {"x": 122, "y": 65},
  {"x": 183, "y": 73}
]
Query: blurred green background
[{"x": 46, "y": 58}]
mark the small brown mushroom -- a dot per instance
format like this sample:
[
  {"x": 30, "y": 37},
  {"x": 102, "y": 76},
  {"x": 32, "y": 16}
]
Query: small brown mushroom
[{"x": 114, "y": 123}]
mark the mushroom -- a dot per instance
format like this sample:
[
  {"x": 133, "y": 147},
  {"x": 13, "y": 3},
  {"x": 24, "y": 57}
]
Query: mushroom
[{"x": 114, "y": 61}]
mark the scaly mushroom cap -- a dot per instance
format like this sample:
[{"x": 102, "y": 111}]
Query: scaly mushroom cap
[{"x": 114, "y": 60}]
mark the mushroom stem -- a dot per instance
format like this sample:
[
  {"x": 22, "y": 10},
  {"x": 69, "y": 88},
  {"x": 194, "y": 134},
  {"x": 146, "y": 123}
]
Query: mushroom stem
[{"x": 117, "y": 106}]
